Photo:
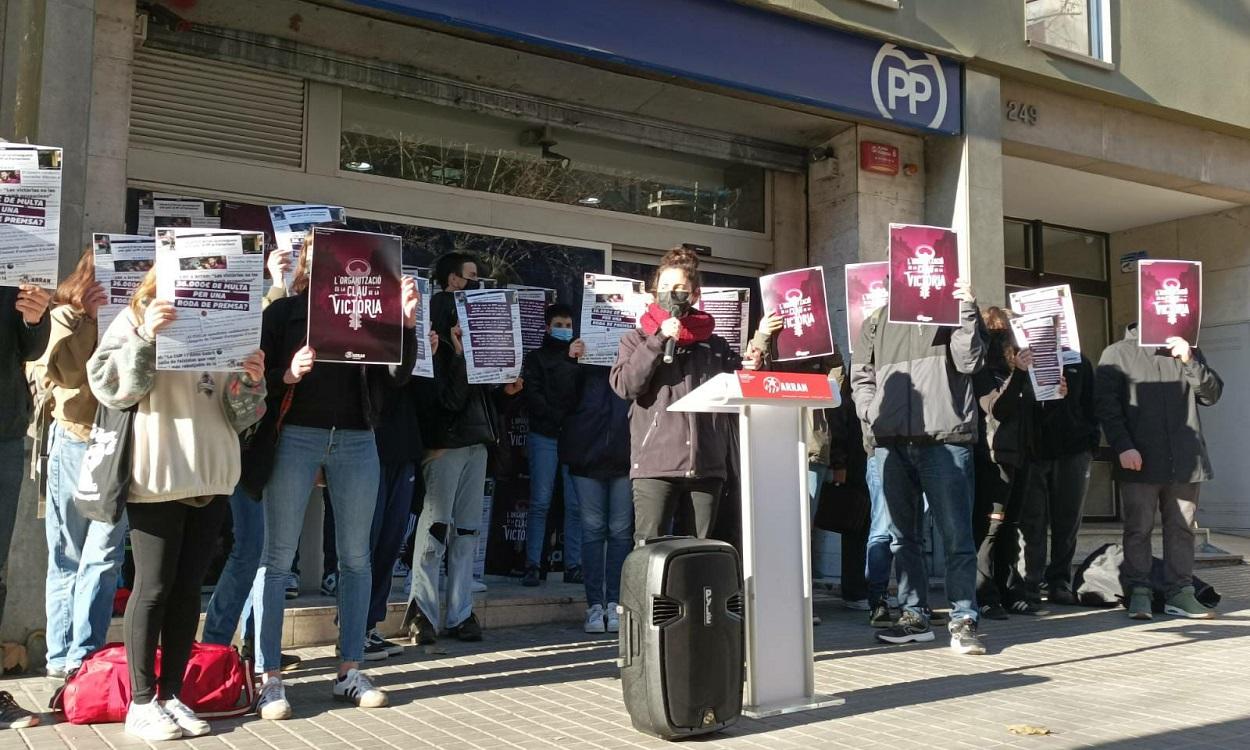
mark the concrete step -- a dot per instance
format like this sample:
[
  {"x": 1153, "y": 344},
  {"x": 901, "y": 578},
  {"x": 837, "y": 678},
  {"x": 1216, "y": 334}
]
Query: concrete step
[{"x": 1206, "y": 554}]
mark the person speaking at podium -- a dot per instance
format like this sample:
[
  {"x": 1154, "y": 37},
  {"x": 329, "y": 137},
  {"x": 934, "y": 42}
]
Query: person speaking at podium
[{"x": 674, "y": 456}]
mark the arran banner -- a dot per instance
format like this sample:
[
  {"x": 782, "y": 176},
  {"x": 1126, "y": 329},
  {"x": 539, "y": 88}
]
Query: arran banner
[
  {"x": 1169, "y": 301},
  {"x": 355, "y": 301},
  {"x": 924, "y": 264},
  {"x": 867, "y": 290},
  {"x": 799, "y": 298},
  {"x": 785, "y": 386}
]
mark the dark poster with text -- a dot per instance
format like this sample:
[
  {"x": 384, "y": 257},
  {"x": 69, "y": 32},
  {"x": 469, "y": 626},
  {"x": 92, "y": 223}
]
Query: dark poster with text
[
  {"x": 1169, "y": 301},
  {"x": 924, "y": 264},
  {"x": 355, "y": 307},
  {"x": 799, "y": 298}
]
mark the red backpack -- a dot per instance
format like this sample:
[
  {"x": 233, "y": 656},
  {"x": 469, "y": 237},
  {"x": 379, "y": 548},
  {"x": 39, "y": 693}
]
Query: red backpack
[{"x": 218, "y": 685}]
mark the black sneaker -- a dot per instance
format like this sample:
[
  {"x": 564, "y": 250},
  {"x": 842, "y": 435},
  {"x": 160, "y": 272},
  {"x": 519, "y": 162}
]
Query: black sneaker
[
  {"x": 469, "y": 630},
  {"x": 1023, "y": 607},
  {"x": 13, "y": 716},
  {"x": 936, "y": 618},
  {"x": 286, "y": 662},
  {"x": 911, "y": 628},
  {"x": 531, "y": 576},
  {"x": 994, "y": 612},
  {"x": 574, "y": 575},
  {"x": 390, "y": 647},
  {"x": 880, "y": 617},
  {"x": 1062, "y": 596},
  {"x": 964, "y": 638},
  {"x": 421, "y": 629},
  {"x": 374, "y": 651}
]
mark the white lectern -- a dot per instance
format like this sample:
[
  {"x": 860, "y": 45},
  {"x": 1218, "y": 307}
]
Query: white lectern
[{"x": 776, "y": 529}]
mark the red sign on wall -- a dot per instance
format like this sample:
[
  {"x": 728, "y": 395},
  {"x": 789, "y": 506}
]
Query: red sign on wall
[
  {"x": 881, "y": 158},
  {"x": 783, "y": 386}
]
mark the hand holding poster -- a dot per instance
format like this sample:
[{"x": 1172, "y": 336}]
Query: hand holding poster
[
  {"x": 490, "y": 328},
  {"x": 30, "y": 214},
  {"x": 798, "y": 297},
  {"x": 924, "y": 264},
  {"x": 121, "y": 262},
  {"x": 291, "y": 222},
  {"x": 355, "y": 297},
  {"x": 533, "y": 301},
  {"x": 731, "y": 309},
  {"x": 1055, "y": 301},
  {"x": 213, "y": 277},
  {"x": 611, "y": 307},
  {"x": 424, "y": 366},
  {"x": 1040, "y": 334},
  {"x": 1169, "y": 301},
  {"x": 867, "y": 290}
]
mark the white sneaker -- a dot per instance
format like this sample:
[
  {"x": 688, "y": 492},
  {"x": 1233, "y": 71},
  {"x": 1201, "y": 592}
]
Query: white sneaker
[
  {"x": 190, "y": 724},
  {"x": 478, "y": 587},
  {"x": 594, "y": 620},
  {"x": 614, "y": 618},
  {"x": 148, "y": 721},
  {"x": 272, "y": 704},
  {"x": 354, "y": 687}
]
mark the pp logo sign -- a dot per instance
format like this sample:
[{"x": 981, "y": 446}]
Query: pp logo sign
[{"x": 903, "y": 83}]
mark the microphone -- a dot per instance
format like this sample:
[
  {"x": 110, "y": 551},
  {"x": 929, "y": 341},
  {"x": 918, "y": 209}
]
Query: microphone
[{"x": 669, "y": 347}]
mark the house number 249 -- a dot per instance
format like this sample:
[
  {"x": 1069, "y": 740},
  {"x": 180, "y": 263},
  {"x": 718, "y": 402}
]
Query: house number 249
[{"x": 1021, "y": 112}]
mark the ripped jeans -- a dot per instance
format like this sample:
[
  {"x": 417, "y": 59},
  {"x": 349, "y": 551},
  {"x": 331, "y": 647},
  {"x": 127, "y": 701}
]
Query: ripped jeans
[{"x": 448, "y": 527}]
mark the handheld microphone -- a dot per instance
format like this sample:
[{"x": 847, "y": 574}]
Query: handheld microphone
[{"x": 670, "y": 346}]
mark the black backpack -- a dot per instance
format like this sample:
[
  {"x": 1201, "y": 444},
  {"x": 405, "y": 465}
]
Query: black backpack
[{"x": 1097, "y": 581}]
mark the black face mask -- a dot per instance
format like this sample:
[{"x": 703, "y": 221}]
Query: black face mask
[
  {"x": 470, "y": 284},
  {"x": 677, "y": 303}
]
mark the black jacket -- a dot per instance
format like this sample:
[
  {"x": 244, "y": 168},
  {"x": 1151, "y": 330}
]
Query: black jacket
[
  {"x": 1148, "y": 400},
  {"x": 1063, "y": 428},
  {"x": 668, "y": 444},
  {"x": 19, "y": 343},
  {"x": 550, "y": 386},
  {"x": 595, "y": 440},
  {"x": 284, "y": 330},
  {"x": 454, "y": 414},
  {"x": 398, "y": 431},
  {"x": 1005, "y": 398}
]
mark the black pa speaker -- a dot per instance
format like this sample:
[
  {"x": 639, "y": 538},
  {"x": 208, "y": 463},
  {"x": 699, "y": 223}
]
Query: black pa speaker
[{"x": 681, "y": 638}]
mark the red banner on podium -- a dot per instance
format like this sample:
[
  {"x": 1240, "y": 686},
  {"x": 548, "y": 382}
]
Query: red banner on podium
[{"x": 782, "y": 386}]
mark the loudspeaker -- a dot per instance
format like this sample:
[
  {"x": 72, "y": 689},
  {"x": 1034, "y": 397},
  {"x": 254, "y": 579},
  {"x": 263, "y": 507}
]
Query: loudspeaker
[{"x": 681, "y": 638}]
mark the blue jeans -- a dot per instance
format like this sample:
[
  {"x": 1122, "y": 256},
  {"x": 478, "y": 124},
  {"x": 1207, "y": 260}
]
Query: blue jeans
[
  {"x": 544, "y": 456},
  {"x": 942, "y": 474},
  {"x": 449, "y": 527},
  {"x": 607, "y": 534},
  {"x": 350, "y": 461},
  {"x": 84, "y": 558},
  {"x": 232, "y": 597},
  {"x": 386, "y": 536},
  {"x": 880, "y": 556}
]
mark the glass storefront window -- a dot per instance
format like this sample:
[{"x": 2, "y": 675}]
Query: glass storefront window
[
  {"x": 1017, "y": 244},
  {"x": 1073, "y": 253},
  {"x": 1076, "y": 26},
  {"x": 412, "y": 140}
]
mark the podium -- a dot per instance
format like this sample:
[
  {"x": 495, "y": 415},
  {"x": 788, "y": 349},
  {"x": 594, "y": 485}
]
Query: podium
[{"x": 776, "y": 529}]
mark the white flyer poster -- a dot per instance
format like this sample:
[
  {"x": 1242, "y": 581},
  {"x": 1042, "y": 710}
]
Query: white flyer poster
[
  {"x": 291, "y": 222},
  {"x": 490, "y": 325},
  {"x": 1040, "y": 335},
  {"x": 611, "y": 308},
  {"x": 533, "y": 301},
  {"x": 424, "y": 366},
  {"x": 30, "y": 214},
  {"x": 730, "y": 307},
  {"x": 167, "y": 210},
  {"x": 215, "y": 280},
  {"x": 121, "y": 262},
  {"x": 1056, "y": 301}
]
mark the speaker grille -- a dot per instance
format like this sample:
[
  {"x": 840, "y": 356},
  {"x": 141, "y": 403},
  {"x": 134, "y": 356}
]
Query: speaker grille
[
  {"x": 664, "y": 611},
  {"x": 734, "y": 605}
]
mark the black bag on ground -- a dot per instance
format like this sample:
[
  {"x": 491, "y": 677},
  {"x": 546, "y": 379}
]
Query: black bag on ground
[
  {"x": 843, "y": 508},
  {"x": 104, "y": 477},
  {"x": 1097, "y": 581}
]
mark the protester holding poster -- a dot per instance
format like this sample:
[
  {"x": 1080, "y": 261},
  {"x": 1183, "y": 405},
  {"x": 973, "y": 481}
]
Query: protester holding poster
[
  {"x": 867, "y": 290},
  {"x": 674, "y": 455},
  {"x": 550, "y": 394},
  {"x": 1169, "y": 301},
  {"x": 185, "y": 459},
  {"x": 84, "y": 556},
  {"x": 327, "y": 411},
  {"x": 490, "y": 321},
  {"x": 30, "y": 214},
  {"x": 458, "y": 422},
  {"x": 1147, "y": 401},
  {"x": 798, "y": 298},
  {"x": 913, "y": 391},
  {"x": 355, "y": 300},
  {"x": 924, "y": 263}
]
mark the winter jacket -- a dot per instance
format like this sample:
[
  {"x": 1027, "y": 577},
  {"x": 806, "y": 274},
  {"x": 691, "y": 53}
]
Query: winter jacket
[
  {"x": 913, "y": 383},
  {"x": 70, "y": 344},
  {"x": 453, "y": 413},
  {"x": 1005, "y": 398},
  {"x": 1063, "y": 428},
  {"x": 666, "y": 444},
  {"x": 550, "y": 392},
  {"x": 284, "y": 330},
  {"x": 398, "y": 432},
  {"x": 595, "y": 440},
  {"x": 1148, "y": 400},
  {"x": 847, "y": 446},
  {"x": 19, "y": 343},
  {"x": 820, "y": 448}
]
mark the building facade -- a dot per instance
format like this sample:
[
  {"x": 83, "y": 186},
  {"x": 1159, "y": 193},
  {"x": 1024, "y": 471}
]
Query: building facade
[{"x": 1056, "y": 135}]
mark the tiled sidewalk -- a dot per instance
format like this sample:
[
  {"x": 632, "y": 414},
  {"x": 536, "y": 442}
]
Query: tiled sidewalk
[{"x": 1091, "y": 677}]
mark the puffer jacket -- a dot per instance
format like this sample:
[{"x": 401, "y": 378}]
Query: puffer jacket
[
  {"x": 666, "y": 444},
  {"x": 913, "y": 383},
  {"x": 595, "y": 440},
  {"x": 1148, "y": 400}
]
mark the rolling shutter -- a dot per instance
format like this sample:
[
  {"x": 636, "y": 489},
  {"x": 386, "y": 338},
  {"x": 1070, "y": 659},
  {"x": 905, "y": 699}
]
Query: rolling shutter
[{"x": 204, "y": 106}]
